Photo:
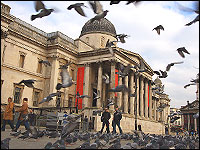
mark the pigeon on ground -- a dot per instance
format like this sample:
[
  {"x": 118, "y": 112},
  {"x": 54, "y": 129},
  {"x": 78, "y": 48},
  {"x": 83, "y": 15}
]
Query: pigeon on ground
[
  {"x": 48, "y": 145},
  {"x": 119, "y": 88},
  {"x": 44, "y": 12},
  {"x": 181, "y": 50},
  {"x": 66, "y": 79},
  {"x": 29, "y": 83},
  {"x": 78, "y": 8},
  {"x": 121, "y": 37},
  {"x": 68, "y": 128},
  {"x": 5, "y": 143},
  {"x": 24, "y": 136},
  {"x": 158, "y": 28},
  {"x": 45, "y": 62},
  {"x": 50, "y": 97},
  {"x": 16, "y": 133},
  {"x": 172, "y": 64}
]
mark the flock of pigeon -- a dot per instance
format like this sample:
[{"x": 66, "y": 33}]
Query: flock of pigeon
[{"x": 96, "y": 140}]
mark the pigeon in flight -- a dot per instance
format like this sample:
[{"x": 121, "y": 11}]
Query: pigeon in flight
[
  {"x": 45, "y": 62},
  {"x": 78, "y": 8},
  {"x": 141, "y": 67},
  {"x": 121, "y": 37},
  {"x": 172, "y": 64},
  {"x": 29, "y": 83},
  {"x": 158, "y": 28},
  {"x": 162, "y": 74},
  {"x": 196, "y": 115},
  {"x": 109, "y": 44},
  {"x": 181, "y": 50},
  {"x": 124, "y": 70},
  {"x": 195, "y": 80},
  {"x": 114, "y": 2},
  {"x": 50, "y": 97},
  {"x": 39, "y": 5},
  {"x": 189, "y": 85},
  {"x": 106, "y": 78},
  {"x": 98, "y": 9},
  {"x": 82, "y": 96},
  {"x": 119, "y": 88},
  {"x": 97, "y": 95},
  {"x": 66, "y": 79},
  {"x": 134, "y": 2},
  {"x": 193, "y": 21}
]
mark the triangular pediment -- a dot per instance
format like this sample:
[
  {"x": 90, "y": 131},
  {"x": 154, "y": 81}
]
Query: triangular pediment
[{"x": 192, "y": 106}]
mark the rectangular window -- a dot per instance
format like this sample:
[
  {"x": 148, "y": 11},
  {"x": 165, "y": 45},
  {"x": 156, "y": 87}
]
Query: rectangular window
[
  {"x": 36, "y": 97},
  {"x": 21, "y": 61},
  {"x": 72, "y": 74},
  {"x": 39, "y": 68},
  {"x": 18, "y": 89}
]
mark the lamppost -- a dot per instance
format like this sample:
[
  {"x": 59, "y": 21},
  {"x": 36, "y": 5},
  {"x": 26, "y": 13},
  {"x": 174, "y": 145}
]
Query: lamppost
[{"x": 77, "y": 97}]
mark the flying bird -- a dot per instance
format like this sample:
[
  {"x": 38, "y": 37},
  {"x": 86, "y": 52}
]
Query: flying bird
[
  {"x": 181, "y": 50},
  {"x": 29, "y": 83},
  {"x": 161, "y": 74},
  {"x": 134, "y": 2},
  {"x": 195, "y": 80},
  {"x": 193, "y": 21},
  {"x": 109, "y": 44},
  {"x": 97, "y": 95},
  {"x": 124, "y": 71},
  {"x": 121, "y": 37},
  {"x": 172, "y": 64},
  {"x": 141, "y": 67},
  {"x": 45, "y": 62},
  {"x": 119, "y": 88},
  {"x": 82, "y": 96},
  {"x": 50, "y": 97},
  {"x": 66, "y": 79},
  {"x": 196, "y": 115},
  {"x": 189, "y": 85},
  {"x": 39, "y": 5},
  {"x": 114, "y": 2},
  {"x": 98, "y": 9},
  {"x": 158, "y": 28},
  {"x": 78, "y": 8},
  {"x": 106, "y": 78}
]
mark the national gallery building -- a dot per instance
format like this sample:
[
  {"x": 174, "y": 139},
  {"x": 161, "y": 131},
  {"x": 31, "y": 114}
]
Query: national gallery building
[{"x": 23, "y": 46}]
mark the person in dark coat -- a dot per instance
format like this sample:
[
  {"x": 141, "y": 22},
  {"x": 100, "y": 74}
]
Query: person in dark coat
[
  {"x": 8, "y": 115},
  {"x": 23, "y": 115},
  {"x": 105, "y": 119},
  {"x": 116, "y": 120}
]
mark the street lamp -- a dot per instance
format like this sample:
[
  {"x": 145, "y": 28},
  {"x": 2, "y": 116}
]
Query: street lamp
[{"x": 77, "y": 97}]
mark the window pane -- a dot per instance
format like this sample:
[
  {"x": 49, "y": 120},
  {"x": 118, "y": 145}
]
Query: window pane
[
  {"x": 17, "y": 95},
  {"x": 36, "y": 98},
  {"x": 21, "y": 62}
]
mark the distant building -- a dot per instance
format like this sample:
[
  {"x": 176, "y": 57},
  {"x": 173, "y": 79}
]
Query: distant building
[{"x": 23, "y": 46}]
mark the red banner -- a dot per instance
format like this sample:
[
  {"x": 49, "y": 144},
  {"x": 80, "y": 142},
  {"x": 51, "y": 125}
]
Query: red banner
[
  {"x": 79, "y": 85},
  {"x": 116, "y": 80}
]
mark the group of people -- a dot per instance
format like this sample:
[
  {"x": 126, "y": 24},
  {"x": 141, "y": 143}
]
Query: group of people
[
  {"x": 116, "y": 120},
  {"x": 8, "y": 115}
]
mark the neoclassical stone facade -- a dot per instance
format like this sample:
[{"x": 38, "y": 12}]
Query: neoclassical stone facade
[{"x": 25, "y": 45}]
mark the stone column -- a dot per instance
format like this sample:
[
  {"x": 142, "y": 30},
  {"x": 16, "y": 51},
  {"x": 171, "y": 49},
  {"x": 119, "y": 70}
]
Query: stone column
[
  {"x": 142, "y": 97},
  {"x": 132, "y": 89},
  {"x": 104, "y": 95},
  {"x": 99, "y": 85},
  {"x": 146, "y": 98},
  {"x": 119, "y": 95},
  {"x": 150, "y": 100},
  {"x": 137, "y": 82},
  {"x": 112, "y": 84},
  {"x": 155, "y": 109},
  {"x": 54, "y": 78},
  {"x": 126, "y": 96},
  {"x": 86, "y": 89},
  {"x": 195, "y": 124},
  {"x": 188, "y": 121},
  {"x": 157, "y": 113}
]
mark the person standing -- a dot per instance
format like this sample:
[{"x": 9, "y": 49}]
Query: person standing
[
  {"x": 8, "y": 115},
  {"x": 116, "y": 120},
  {"x": 105, "y": 119},
  {"x": 23, "y": 115},
  {"x": 85, "y": 124}
]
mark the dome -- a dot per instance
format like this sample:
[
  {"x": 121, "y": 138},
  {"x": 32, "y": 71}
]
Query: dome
[{"x": 102, "y": 26}]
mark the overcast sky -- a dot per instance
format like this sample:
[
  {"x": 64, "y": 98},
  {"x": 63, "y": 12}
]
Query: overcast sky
[{"x": 138, "y": 22}]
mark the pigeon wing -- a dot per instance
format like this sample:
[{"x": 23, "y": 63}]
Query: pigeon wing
[
  {"x": 157, "y": 72},
  {"x": 65, "y": 77},
  {"x": 184, "y": 50},
  {"x": 93, "y": 6},
  {"x": 99, "y": 8},
  {"x": 80, "y": 11},
  {"x": 122, "y": 39},
  {"x": 181, "y": 53},
  {"x": 39, "y": 5}
]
